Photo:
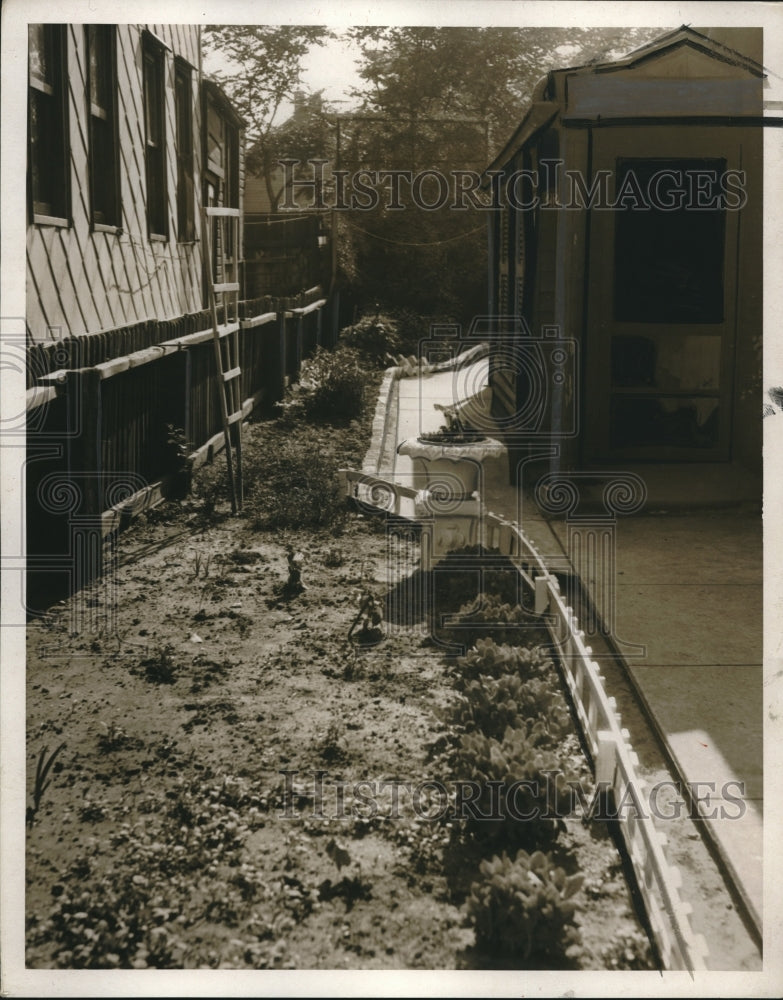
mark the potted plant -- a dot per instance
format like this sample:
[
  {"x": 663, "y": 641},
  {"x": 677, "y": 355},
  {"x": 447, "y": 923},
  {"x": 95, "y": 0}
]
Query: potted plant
[{"x": 449, "y": 459}]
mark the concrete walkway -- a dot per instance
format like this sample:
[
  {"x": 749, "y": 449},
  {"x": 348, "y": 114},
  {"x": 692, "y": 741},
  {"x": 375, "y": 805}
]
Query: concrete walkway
[{"x": 688, "y": 621}]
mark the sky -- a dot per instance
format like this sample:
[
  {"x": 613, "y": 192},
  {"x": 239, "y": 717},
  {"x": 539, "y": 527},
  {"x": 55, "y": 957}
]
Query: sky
[{"x": 330, "y": 67}]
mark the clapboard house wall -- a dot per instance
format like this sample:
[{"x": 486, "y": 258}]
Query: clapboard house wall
[{"x": 83, "y": 278}]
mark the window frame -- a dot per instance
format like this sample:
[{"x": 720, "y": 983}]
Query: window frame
[
  {"x": 103, "y": 132},
  {"x": 52, "y": 96},
  {"x": 155, "y": 165},
  {"x": 185, "y": 151}
]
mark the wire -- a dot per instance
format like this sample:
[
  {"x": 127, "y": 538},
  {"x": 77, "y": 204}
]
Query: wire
[
  {"x": 277, "y": 222},
  {"x": 403, "y": 243}
]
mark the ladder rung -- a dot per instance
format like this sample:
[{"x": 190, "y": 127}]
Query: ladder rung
[
  {"x": 233, "y": 417},
  {"x": 227, "y": 286},
  {"x": 232, "y": 373}
]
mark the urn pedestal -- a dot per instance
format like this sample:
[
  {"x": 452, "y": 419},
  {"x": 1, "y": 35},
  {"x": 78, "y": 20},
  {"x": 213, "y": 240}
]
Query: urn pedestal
[{"x": 449, "y": 505}]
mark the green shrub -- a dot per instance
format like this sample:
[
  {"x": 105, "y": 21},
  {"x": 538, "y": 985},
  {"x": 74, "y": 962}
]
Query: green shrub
[
  {"x": 373, "y": 337},
  {"x": 492, "y": 705},
  {"x": 332, "y": 388},
  {"x": 414, "y": 327},
  {"x": 522, "y": 910},
  {"x": 506, "y": 623},
  {"x": 291, "y": 481},
  {"x": 487, "y": 658},
  {"x": 523, "y": 786}
]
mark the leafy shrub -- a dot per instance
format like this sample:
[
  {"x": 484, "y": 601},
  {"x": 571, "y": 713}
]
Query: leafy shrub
[
  {"x": 630, "y": 952},
  {"x": 506, "y": 623},
  {"x": 414, "y": 327},
  {"x": 492, "y": 705},
  {"x": 523, "y": 910},
  {"x": 522, "y": 784},
  {"x": 489, "y": 659},
  {"x": 291, "y": 482},
  {"x": 373, "y": 337},
  {"x": 332, "y": 388}
]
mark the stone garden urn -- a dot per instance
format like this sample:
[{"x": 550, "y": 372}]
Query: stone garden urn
[{"x": 449, "y": 465}]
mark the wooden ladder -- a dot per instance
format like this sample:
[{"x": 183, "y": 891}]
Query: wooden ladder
[{"x": 223, "y": 282}]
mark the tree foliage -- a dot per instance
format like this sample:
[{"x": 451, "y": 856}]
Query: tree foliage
[
  {"x": 447, "y": 98},
  {"x": 488, "y": 74},
  {"x": 263, "y": 73}
]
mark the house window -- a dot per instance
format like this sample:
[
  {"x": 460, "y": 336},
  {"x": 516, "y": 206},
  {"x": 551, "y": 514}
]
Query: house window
[
  {"x": 49, "y": 149},
  {"x": 231, "y": 196},
  {"x": 104, "y": 148},
  {"x": 669, "y": 254},
  {"x": 155, "y": 136},
  {"x": 183, "y": 91}
]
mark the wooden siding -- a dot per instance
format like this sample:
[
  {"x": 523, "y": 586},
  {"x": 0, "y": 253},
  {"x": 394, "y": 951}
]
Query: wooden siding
[{"x": 84, "y": 281}]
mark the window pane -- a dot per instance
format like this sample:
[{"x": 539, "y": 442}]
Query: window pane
[
  {"x": 48, "y": 140},
  {"x": 40, "y": 53},
  {"x": 100, "y": 67},
  {"x": 666, "y": 362},
  {"x": 664, "y": 422},
  {"x": 185, "y": 193},
  {"x": 669, "y": 261},
  {"x": 157, "y": 210}
]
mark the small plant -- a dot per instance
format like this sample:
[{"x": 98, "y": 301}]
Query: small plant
[
  {"x": 114, "y": 738},
  {"x": 160, "y": 668},
  {"x": 178, "y": 461},
  {"x": 332, "y": 388},
  {"x": 523, "y": 910},
  {"x": 245, "y": 557},
  {"x": 453, "y": 430},
  {"x": 492, "y": 705},
  {"x": 505, "y": 623},
  {"x": 334, "y": 558},
  {"x": 491, "y": 659},
  {"x": 92, "y": 812},
  {"x": 331, "y": 748},
  {"x": 42, "y": 780},
  {"x": 370, "y": 617},
  {"x": 210, "y": 489},
  {"x": 293, "y": 586},
  {"x": 374, "y": 337},
  {"x": 629, "y": 952},
  {"x": 177, "y": 447},
  {"x": 201, "y": 564},
  {"x": 523, "y": 785}
]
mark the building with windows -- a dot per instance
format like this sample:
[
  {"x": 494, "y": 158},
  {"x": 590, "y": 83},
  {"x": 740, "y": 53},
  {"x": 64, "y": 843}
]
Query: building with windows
[
  {"x": 626, "y": 258},
  {"x": 127, "y": 142}
]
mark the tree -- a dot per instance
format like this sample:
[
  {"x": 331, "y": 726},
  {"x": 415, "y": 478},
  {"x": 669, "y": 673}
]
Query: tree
[
  {"x": 482, "y": 73},
  {"x": 447, "y": 98},
  {"x": 264, "y": 72}
]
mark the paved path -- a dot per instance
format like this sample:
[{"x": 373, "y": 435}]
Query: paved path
[{"x": 688, "y": 620}]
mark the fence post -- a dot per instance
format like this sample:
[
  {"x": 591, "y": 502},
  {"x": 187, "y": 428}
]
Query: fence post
[
  {"x": 299, "y": 338},
  {"x": 187, "y": 385},
  {"x": 283, "y": 366},
  {"x": 83, "y": 390},
  {"x": 83, "y": 395}
]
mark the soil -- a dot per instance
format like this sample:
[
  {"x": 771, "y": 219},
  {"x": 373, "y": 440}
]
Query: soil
[{"x": 204, "y": 808}]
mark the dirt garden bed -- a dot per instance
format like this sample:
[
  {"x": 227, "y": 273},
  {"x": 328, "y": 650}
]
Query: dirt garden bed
[{"x": 244, "y": 783}]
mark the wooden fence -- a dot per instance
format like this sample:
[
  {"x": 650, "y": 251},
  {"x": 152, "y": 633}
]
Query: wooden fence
[{"x": 98, "y": 427}]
